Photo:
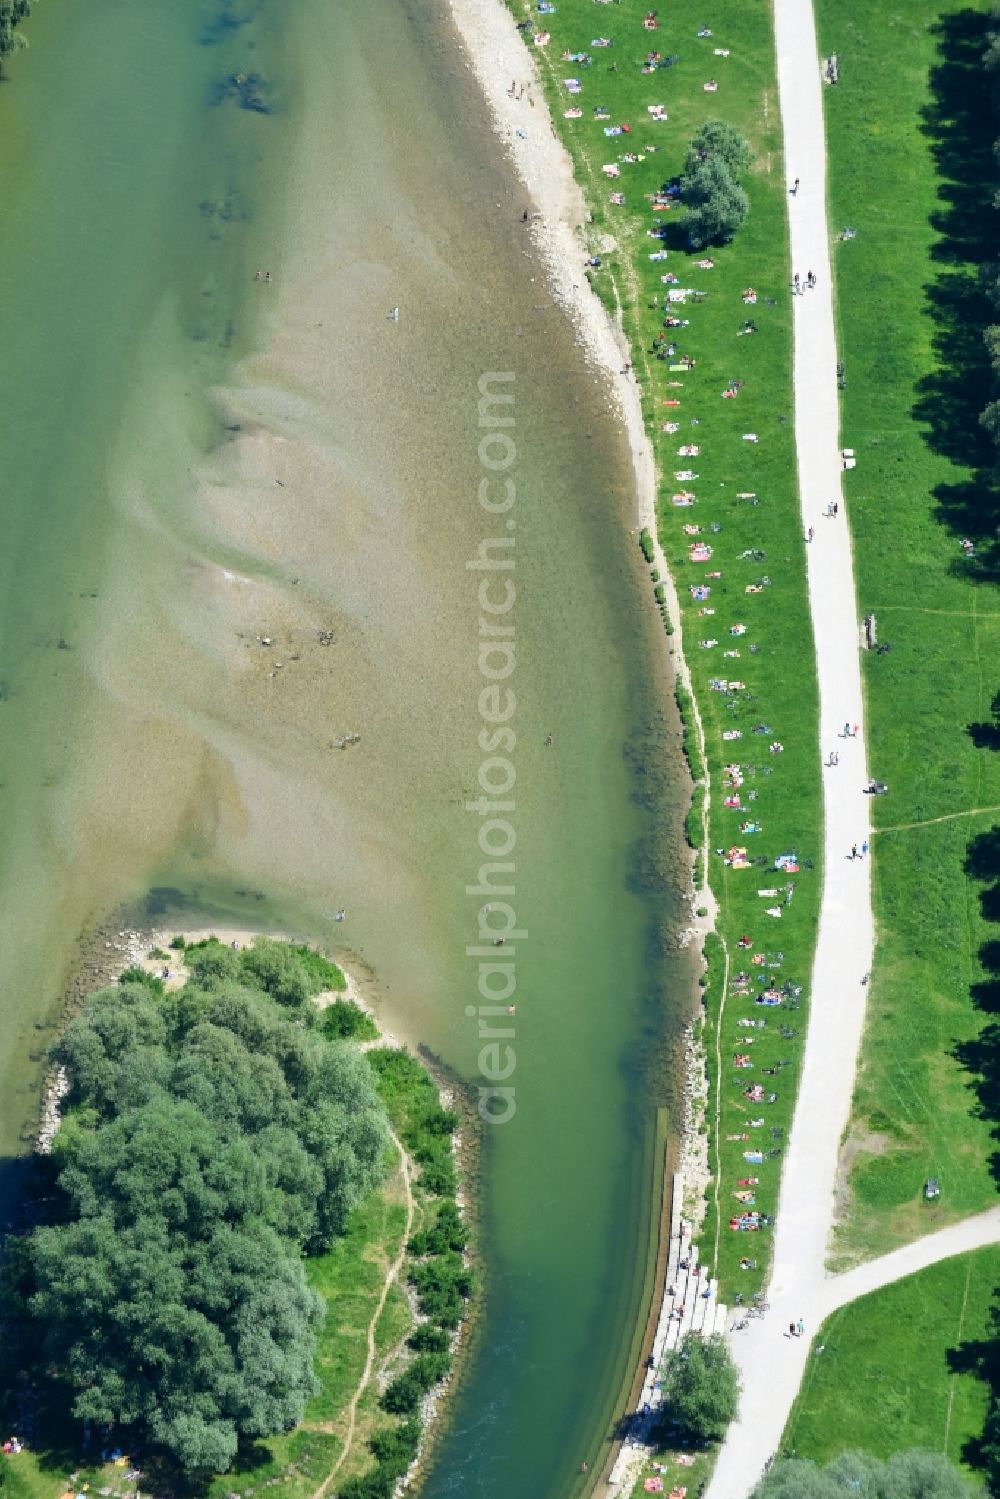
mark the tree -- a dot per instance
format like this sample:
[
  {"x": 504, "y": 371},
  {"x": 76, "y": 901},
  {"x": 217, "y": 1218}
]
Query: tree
[
  {"x": 716, "y": 204},
  {"x": 703, "y": 1389},
  {"x": 193, "y": 1342},
  {"x": 722, "y": 142},
  {"x": 914, "y": 1474},
  {"x": 718, "y": 155}
]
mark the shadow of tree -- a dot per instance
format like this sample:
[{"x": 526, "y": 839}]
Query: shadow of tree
[
  {"x": 980, "y": 1357},
  {"x": 981, "y": 1056},
  {"x": 961, "y": 124}
]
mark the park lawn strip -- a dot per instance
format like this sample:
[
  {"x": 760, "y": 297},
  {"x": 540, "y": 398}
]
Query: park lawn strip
[
  {"x": 884, "y": 1381},
  {"x": 780, "y": 674},
  {"x": 910, "y": 315}
]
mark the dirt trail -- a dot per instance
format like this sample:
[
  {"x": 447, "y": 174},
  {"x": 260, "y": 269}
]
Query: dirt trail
[{"x": 390, "y": 1280}]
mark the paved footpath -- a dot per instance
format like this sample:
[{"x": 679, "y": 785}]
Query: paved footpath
[{"x": 772, "y": 1363}]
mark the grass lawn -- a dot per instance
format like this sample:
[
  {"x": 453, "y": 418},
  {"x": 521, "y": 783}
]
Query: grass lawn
[
  {"x": 774, "y": 657},
  {"x": 909, "y": 141},
  {"x": 895, "y": 1347}
]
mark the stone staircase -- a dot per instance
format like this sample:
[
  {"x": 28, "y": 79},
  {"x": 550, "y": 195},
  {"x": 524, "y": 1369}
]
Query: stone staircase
[{"x": 690, "y": 1308}]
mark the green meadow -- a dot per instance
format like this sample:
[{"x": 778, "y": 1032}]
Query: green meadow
[
  {"x": 910, "y": 137},
  {"x": 912, "y": 1352}
]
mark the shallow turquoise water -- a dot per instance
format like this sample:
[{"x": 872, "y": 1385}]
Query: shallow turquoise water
[{"x": 159, "y": 749}]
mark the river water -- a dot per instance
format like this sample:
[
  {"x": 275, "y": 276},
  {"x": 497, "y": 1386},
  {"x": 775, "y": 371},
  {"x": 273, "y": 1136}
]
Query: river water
[{"x": 241, "y": 643}]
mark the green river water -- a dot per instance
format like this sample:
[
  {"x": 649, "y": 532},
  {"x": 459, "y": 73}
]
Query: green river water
[{"x": 194, "y": 461}]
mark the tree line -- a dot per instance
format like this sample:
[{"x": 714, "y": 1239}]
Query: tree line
[{"x": 990, "y": 417}]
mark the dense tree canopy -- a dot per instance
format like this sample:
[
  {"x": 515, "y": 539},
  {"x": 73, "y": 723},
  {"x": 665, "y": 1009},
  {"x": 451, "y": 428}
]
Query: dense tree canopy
[
  {"x": 856, "y": 1475},
  {"x": 213, "y": 1135},
  {"x": 990, "y": 417}
]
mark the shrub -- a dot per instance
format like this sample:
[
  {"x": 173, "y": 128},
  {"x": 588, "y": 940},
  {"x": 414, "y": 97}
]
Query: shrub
[
  {"x": 396, "y": 1448},
  {"x": 404, "y": 1394},
  {"x": 134, "y": 975},
  {"x": 646, "y": 542},
  {"x": 346, "y": 1021},
  {"x": 278, "y": 969},
  {"x": 428, "y": 1339},
  {"x": 443, "y": 1285},
  {"x": 321, "y": 973},
  {"x": 213, "y": 964}
]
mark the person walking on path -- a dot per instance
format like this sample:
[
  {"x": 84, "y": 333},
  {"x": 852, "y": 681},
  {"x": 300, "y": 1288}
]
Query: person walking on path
[
  {"x": 810, "y": 534},
  {"x": 864, "y": 849},
  {"x": 794, "y": 187},
  {"x": 854, "y": 850}
]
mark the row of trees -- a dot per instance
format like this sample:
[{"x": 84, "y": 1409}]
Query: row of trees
[
  {"x": 213, "y": 1137},
  {"x": 718, "y": 158},
  {"x": 991, "y": 415},
  {"x": 856, "y": 1475}
]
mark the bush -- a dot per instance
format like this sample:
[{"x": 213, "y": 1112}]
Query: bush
[
  {"x": 151, "y": 981},
  {"x": 428, "y": 1339},
  {"x": 660, "y": 593},
  {"x": 378, "y": 1484},
  {"x": 213, "y": 964},
  {"x": 346, "y": 1021},
  {"x": 443, "y": 1285},
  {"x": 448, "y": 1232},
  {"x": 404, "y": 1394},
  {"x": 646, "y": 542},
  {"x": 396, "y": 1448},
  {"x": 278, "y": 969},
  {"x": 321, "y": 973}
]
